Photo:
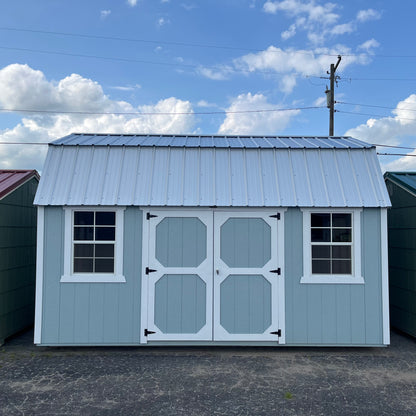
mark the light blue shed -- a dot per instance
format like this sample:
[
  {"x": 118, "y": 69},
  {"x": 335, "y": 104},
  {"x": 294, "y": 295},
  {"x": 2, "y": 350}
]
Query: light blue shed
[{"x": 211, "y": 240}]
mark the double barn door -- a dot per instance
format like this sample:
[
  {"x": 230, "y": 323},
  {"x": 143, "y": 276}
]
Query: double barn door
[{"x": 211, "y": 276}]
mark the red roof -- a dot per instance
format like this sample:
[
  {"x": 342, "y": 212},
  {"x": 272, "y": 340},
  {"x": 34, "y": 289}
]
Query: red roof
[{"x": 12, "y": 179}]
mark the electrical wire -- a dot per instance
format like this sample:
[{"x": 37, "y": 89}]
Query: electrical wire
[
  {"x": 163, "y": 42},
  {"x": 375, "y": 106},
  {"x": 196, "y": 45},
  {"x": 224, "y": 68},
  {"x": 393, "y": 147},
  {"x": 395, "y": 154},
  {"x": 375, "y": 115},
  {"x": 137, "y": 113},
  {"x": 378, "y": 79}
]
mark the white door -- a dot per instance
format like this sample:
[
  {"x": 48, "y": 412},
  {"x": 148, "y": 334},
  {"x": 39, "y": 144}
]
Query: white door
[
  {"x": 178, "y": 276},
  {"x": 213, "y": 276},
  {"x": 247, "y": 277}
]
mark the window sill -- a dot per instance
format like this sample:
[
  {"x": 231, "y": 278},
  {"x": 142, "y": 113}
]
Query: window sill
[
  {"x": 93, "y": 278},
  {"x": 332, "y": 279}
]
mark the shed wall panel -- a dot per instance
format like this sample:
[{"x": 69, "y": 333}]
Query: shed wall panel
[
  {"x": 91, "y": 313},
  {"x": 402, "y": 259},
  {"x": 338, "y": 314},
  {"x": 17, "y": 259}
]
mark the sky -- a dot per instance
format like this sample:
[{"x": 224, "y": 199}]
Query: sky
[{"x": 238, "y": 67}]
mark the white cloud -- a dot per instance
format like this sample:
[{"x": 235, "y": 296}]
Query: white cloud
[
  {"x": 389, "y": 130},
  {"x": 369, "y": 14},
  {"x": 162, "y": 21},
  {"x": 320, "y": 101},
  {"x": 312, "y": 10},
  {"x": 219, "y": 73},
  {"x": 268, "y": 122},
  {"x": 188, "y": 7},
  {"x": 25, "y": 88},
  {"x": 126, "y": 87},
  {"x": 132, "y": 3},
  {"x": 369, "y": 45},
  {"x": 310, "y": 16},
  {"x": 320, "y": 21},
  {"x": 105, "y": 13},
  {"x": 402, "y": 163},
  {"x": 287, "y": 83},
  {"x": 287, "y": 34},
  {"x": 296, "y": 62},
  {"x": 343, "y": 29},
  {"x": 205, "y": 104}
]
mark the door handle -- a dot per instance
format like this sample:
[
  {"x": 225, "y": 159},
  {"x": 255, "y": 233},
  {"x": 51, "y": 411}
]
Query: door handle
[{"x": 217, "y": 271}]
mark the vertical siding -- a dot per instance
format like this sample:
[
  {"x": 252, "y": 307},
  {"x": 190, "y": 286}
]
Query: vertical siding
[
  {"x": 402, "y": 259},
  {"x": 91, "y": 313},
  {"x": 17, "y": 259},
  {"x": 338, "y": 314}
]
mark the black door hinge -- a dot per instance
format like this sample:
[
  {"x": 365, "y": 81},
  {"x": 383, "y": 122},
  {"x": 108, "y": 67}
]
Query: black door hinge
[
  {"x": 277, "y": 216},
  {"x": 149, "y": 215},
  {"x": 278, "y": 333},
  {"x": 147, "y": 332},
  {"x": 277, "y": 271},
  {"x": 150, "y": 270}
]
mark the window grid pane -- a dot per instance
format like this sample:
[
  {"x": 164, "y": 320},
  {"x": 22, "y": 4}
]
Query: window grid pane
[
  {"x": 331, "y": 238},
  {"x": 94, "y": 241}
]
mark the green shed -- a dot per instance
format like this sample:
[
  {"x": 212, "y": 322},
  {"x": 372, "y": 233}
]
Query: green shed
[
  {"x": 17, "y": 250},
  {"x": 402, "y": 249}
]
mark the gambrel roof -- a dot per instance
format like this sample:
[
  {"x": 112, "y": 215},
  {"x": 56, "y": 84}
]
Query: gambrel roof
[{"x": 222, "y": 171}]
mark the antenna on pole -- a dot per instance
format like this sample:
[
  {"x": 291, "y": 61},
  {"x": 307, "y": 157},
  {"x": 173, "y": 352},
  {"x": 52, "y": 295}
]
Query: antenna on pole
[{"x": 330, "y": 95}]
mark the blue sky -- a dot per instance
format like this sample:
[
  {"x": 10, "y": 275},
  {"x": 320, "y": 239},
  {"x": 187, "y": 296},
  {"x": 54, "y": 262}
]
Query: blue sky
[{"x": 237, "y": 60}]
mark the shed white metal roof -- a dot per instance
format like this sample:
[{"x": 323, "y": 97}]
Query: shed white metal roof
[
  {"x": 247, "y": 142},
  {"x": 218, "y": 171}
]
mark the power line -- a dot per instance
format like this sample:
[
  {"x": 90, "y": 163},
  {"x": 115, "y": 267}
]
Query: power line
[
  {"x": 196, "y": 45},
  {"x": 378, "y": 79},
  {"x": 226, "y": 69},
  {"x": 375, "y": 115},
  {"x": 395, "y": 154},
  {"x": 164, "y": 42},
  {"x": 137, "y": 113},
  {"x": 376, "y": 106},
  {"x": 26, "y": 143},
  {"x": 394, "y": 147}
]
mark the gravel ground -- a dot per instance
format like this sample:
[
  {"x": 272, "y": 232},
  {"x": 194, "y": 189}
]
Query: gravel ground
[{"x": 207, "y": 381}]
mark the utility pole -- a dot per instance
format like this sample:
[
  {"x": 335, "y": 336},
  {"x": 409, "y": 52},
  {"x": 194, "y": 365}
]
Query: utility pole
[{"x": 330, "y": 95}]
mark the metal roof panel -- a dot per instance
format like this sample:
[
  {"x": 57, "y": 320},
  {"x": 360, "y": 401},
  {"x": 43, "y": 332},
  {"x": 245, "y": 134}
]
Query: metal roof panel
[
  {"x": 166, "y": 140},
  {"x": 221, "y": 171},
  {"x": 12, "y": 179}
]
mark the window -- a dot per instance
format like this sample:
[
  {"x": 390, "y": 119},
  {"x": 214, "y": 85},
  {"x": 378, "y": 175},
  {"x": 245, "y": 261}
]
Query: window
[
  {"x": 331, "y": 242},
  {"x": 94, "y": 241},
  {"x": 332, "y": 247},
  {"x": 93, "y": 245}
]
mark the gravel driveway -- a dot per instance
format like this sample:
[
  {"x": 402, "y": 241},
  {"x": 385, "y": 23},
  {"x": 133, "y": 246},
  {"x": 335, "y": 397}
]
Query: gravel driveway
[{"x": 207, "y": 381}]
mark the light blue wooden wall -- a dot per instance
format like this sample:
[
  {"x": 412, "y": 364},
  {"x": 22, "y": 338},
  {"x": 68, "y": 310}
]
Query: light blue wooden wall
[
  {"x": 334, "y": 314},
  {"x": 109, "y": 313},
  {"x": 91, "y": 313}
]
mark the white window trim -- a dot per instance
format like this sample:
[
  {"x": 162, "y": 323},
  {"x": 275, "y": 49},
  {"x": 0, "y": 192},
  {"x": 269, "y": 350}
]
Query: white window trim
[
  {"x": 117, "y": 276},
  {"x": 355, "y": 277}
]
